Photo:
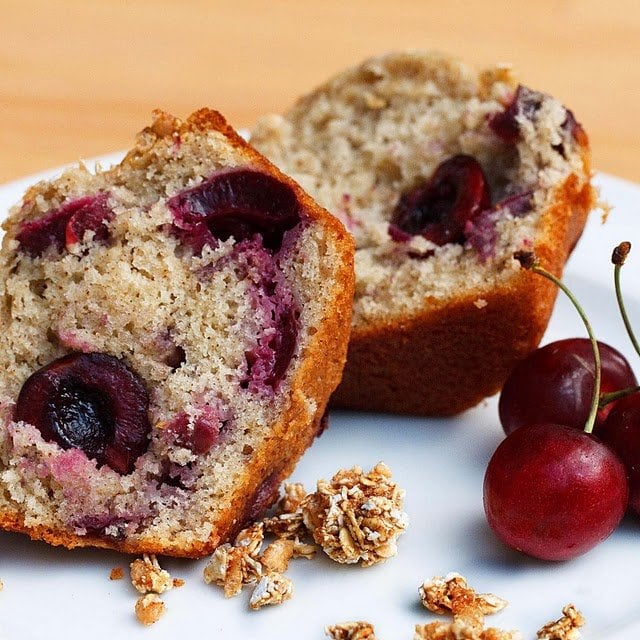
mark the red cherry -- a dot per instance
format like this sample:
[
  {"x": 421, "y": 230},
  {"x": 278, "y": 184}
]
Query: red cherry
[
  {"x": 555, "y": 384},
  {"x": 621, "y": 431},
  {"x": 554, "y": 492}
]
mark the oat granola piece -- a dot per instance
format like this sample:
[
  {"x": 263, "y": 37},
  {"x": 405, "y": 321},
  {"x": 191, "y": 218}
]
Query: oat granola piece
[
  {"x": 356, "y": 517},
  {"x": 1, "y": 585},
  {"x": 149, "y": 608},
  {"x": 565, "y": 628},
  {"x": 273, "y": 588},
  {"x": 147, "y": 576},
  {"x": 452, "y": 595},
  {"x": 232, "y": 566},
  {"x": 458, "y": 630},
  {"x": 275, "y": 558},
  {"x": 351, "y": 631},
  {"x": 286, "y": 525},
  {"x": 294, "y": 494},
  {"x": 117, "y": 573}
]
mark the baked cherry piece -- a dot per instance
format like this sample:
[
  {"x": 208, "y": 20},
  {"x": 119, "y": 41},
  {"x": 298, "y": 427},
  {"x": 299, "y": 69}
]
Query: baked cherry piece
[
  {"x": 92, "y": 402},
  {"x": 439, "y": 210},
  {"x": 239, "y": 203},
  {"x": 555, "y": 384},
  {"x": 554, "y": 492},
  {"x": 65, "y": 227}
]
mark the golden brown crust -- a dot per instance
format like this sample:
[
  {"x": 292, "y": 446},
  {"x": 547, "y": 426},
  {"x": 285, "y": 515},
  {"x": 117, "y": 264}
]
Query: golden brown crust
[
  {"x": 444, "y": 361},
  {"x": 316, "y": 377}
]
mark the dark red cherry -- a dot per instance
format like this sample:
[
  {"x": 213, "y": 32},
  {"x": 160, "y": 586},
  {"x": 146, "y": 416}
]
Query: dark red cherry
[
  {"x": 239, "y": 203},
  {"x": 65, "y": 227},
  {"x": 555, "y": 384},
  {"x": 439, "y": 210},
  {"x": 92, "y": 402},
  {"x": 554, "y": 492},
  {"x": 505, "y": 125},
  {"x": 621, "y": 431}
]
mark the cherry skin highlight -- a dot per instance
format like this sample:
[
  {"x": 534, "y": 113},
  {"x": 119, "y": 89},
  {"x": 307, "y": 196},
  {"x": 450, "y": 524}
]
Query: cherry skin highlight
[
  {"x": 554, "y": 492},
  {"x": 555, "y": 384}
]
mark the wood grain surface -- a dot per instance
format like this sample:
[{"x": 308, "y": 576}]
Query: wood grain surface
[{"x": 78, "y": 78}]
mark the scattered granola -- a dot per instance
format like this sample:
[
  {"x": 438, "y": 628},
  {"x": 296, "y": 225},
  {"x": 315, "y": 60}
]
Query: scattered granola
[
  {"x": 1, "y": 585},
  {"x": 232, "y": 566},
  {"x": 149, "y": 608},
  {"x": 117, "y": 573},
  {"x": 273, "y": 588},
  {"x": 178, "y": 582},
  {"x": 452, "y": 595},
  {"x": 356, "y": 517},
  {"x": 287, "y": 522},
  {"x": 351, "y": 631},
  {"x": 148, "y": 577},
  {"x": 457, "y": 630},
  {"x": 565, "y": 628}
]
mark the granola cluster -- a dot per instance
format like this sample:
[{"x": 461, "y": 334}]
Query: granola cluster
[
  {"x": 351, "y": 631},
  {"x": 248, "y": 561},
  {"x": 356, "y": 517},
  {"x": 452, "y": 595},
  {"x": 150, "y": 579},
  {"x": 565, "y": 628}
]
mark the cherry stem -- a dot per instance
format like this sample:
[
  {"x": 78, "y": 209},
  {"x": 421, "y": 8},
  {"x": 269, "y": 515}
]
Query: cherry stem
[
  {"x": 618, "y": 258},
  {"x": 529, "y": 261},
  {"x": 612, "y": 396}
]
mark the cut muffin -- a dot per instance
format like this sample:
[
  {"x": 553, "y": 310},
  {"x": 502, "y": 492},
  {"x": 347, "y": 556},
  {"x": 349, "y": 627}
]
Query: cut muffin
[
  {"x": 440, "y": 174},
  {"x": 172, "y": 328}
]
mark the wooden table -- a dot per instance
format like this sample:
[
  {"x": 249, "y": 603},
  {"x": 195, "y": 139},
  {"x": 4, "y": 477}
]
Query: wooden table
[{"x": 79, "y": 77}]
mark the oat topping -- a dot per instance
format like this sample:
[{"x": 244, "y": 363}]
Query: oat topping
[
  {"x": 273, "y": 588},
  {"x": 452, "y": 595},
  {"x": 149, "y": 608},
  {"x": 285, "y": 525},
  {"x": 148, "y": 577},
  {"x": 457, "y": 630},
  {"x": 356, "y": 517},
  {"x": 351, "y": 631},
  {"x": 294, "y": 494},
  {"x": 277, "y": 555},
  {"x": 117, "y": 573},
  {"x": 565, "y": 628},
  {"x": 1, "y": 585}
]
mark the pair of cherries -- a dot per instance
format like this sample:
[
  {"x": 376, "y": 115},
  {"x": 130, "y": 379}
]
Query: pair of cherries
[{"x": 569, "y": 468}]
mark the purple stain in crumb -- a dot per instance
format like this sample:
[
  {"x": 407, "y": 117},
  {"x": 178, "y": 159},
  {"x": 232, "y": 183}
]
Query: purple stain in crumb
[
  {"x": 66, "y": 226},
  {"x": 238, "y": 203},
  {"x": 197, "y": 433},
  {"x": 481, "y": 233},
  {"x": 272, "y": 299}
]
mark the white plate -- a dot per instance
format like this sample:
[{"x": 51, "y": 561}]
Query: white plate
[{"x": 58, "y": 594}]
